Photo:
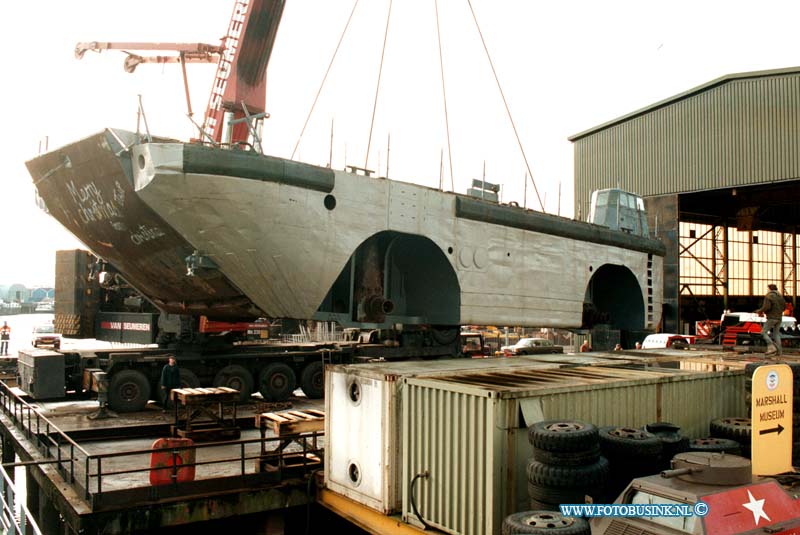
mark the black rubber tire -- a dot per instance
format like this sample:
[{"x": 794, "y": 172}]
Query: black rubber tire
[
  {"x": 670, "y": 446},
  {"x": 236, "y": 377},
  {"x": 548, "y": 475},
  {"x": 558, "y": 495},
  {"x": 544, "y": 523},
  {"x": 276, "y": 382},
  {"x": 627, "y": 442},
  {"x": 716, "y": 445},
  {"x": 536, "y": 505},
  {"x": 661, "y": 428},
  {"x": 562, "y": 435},
  {"x": 738, "y": 429},
  {"x": 128, "y": 391},
  {"x": 568, "y": 458},
  {"x": 445, "y": 334},
  {"x": 188, "y": 380},
  {"x": 312, "y": 380}
]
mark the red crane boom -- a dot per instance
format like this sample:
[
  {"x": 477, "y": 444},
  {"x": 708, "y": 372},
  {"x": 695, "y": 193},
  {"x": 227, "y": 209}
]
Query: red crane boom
[{"x": 240, "y": 83}]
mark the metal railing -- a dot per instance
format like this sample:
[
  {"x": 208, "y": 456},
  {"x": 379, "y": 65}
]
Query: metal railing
[
  {"x": 15, "y": 517},
  {"x": 73, "y": 461}
]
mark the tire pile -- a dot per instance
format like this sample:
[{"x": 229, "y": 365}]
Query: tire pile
[
  {"x": 749, "y": 369},
  {"x": 544, "y": 523},
  {"x": 735, "y": 429},
  {"x": 566, "y": 465},
  {"x": 631, "y": 453},
  {"x": 717, "y": 445},
  {"x": 672, "y": 442}
]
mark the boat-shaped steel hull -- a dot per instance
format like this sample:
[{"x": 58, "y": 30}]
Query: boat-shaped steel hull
[{"x": 288, "y": 239}]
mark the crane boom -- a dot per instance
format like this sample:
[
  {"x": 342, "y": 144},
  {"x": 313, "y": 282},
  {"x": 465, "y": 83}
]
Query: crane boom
[{"x": 240, "y": 82}]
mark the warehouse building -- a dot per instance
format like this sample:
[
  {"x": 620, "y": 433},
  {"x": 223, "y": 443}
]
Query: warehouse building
[{"x": 719, "y": 167}]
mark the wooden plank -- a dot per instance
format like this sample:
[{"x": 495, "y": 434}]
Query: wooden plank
[
  {"x": 292, "y": 422},
  {"x": 299, "y": 426},
  {"x": 266, "y": 418}
]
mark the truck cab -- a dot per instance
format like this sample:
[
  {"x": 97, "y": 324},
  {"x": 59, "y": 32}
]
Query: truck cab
[{"x": 619, "y": 210}]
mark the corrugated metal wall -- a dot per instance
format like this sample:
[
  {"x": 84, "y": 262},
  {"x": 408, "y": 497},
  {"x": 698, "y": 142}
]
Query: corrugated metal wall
[
  {"x": 743, "y": 131},
  {"x": 472, "y": 439},
  {"x": 689, "y": 403},
  {"x": 452, "y": 436}
]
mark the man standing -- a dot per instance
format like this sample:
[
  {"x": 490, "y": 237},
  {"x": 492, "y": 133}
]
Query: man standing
[
  {"x": 5, "y": 336},
  {"x": 170, "y": 379},
  {"x": 772, "y": 307}
]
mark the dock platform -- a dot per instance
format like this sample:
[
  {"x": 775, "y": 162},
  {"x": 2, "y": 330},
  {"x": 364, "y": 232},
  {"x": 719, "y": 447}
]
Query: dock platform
[{"x": 92, "y": 476}]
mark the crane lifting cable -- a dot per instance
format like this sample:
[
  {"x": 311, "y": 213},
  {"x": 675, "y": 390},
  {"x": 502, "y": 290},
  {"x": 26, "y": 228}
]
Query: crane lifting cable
[
  {"x": 378, "y": 84},
  {"x": 324, "y": 78},
  {"x": 444, "y": 97},
  {"x": 505, "y": 103}
]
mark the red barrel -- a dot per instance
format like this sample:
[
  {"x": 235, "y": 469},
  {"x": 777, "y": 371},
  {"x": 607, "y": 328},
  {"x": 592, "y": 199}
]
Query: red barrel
[{"x": 162, "y": 463}]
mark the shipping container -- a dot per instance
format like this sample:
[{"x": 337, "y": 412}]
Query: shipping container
[{"x": 468, "y": 432}]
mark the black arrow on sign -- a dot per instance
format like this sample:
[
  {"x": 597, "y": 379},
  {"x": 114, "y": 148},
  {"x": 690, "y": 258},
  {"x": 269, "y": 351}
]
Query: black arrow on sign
[{"x": 772, "y": 430}]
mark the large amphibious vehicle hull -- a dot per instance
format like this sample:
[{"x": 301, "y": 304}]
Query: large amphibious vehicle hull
[{"x": 230, "y": 233}]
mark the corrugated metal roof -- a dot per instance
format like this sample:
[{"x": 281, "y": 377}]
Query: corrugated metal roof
[{"x": 684, "y": 95}]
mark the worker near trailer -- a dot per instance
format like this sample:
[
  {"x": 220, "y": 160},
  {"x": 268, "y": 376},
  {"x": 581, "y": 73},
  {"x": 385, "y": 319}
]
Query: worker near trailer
[
  {"x": 170, "y": 379},
  {"x": 772, "y": 308},
  {"x": 5, "y": 336}
]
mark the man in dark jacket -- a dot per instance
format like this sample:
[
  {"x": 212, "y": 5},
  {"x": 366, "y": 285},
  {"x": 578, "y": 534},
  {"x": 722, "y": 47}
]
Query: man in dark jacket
[
  {"x": 772, "y": 307},
  {"x": 171, "y": 378}
]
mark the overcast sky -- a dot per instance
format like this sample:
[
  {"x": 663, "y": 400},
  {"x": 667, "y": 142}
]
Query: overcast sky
[{"x": 564, "y": 67}]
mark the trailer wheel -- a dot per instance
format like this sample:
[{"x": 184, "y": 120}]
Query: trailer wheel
[
  {"x": 544, "y": 523},
  {"x": 129, "y": 391},
  {"x": 276, "y": 382},
  {"x": 312, "y": 380},
  {"x": 444, "y": 335},
  {"x": 188, "y": 380},
  {"x": 238, "y": 378}
]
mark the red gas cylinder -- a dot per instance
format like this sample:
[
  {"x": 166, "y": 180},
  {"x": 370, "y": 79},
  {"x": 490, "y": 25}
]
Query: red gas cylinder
[{"x": 166, "y": 466}]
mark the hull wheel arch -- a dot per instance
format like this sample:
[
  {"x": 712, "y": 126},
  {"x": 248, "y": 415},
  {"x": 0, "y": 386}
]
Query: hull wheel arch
[
  {"x": 614, "y": 297},
  {"x": 395, "y": 278}
]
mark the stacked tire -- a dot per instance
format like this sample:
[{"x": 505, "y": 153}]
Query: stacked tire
[
  {"x": 631, "y": 453},
  {"x": 566, "y": 465},
  {"x": 715, "y": 445},
  {"x": 733, "y": 428},
  {"x": 672, "y": 442},
  {"x": 749, "y": 369},
  {"x": 544, "y": 523}
]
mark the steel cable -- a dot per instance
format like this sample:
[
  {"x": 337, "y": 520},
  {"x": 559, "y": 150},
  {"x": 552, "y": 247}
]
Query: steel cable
[
  {"x": 324, "y": 78},
  {"x": 378, "y": 85},
  {"x": 505, "y": 103}
]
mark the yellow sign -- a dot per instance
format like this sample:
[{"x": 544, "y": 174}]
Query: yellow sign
[{"x": 772, "y": 420}]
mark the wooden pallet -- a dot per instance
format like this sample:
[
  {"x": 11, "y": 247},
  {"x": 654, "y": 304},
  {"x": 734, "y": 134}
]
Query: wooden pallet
[
  {"x": 292, "y": 422},
  {"x": 204, "y": 415},
  {"x": 189, "y": 396}
]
